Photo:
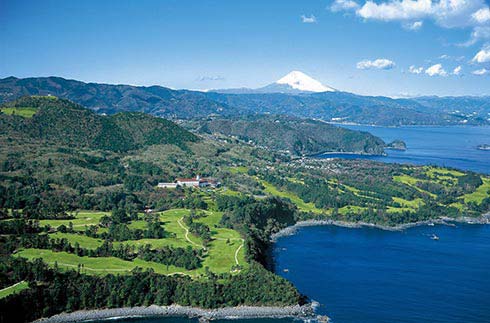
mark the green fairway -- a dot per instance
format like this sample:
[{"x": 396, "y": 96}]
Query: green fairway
[
  {"x": 238, "y": 170},
  {"x": 223, "y": 248},
  {"x": 20, "y": 286},
  {"x": 482, "y": 192},
  {"x": 356, "y": 191},
  {"x": 351, "y": 209},
  {"x": 83, "y": 219},
  {"x": 224, "y": 251},
  {"x": 25, "y": 112},
  {"x": 98, "y": 265},
  {"x": 405, "y": 205},
  {"x": 439, "y": 172},
  {"x": 302, "y": 205},
  {"x": 81, "y": 239},
  {"x": 412, "y": 181}
]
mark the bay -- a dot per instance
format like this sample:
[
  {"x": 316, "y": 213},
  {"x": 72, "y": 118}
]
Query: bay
[{"x": 442, "y": 146}]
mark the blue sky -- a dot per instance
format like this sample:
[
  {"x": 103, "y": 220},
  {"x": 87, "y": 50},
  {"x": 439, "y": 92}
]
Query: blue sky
[{"x": 378, "y": 48}]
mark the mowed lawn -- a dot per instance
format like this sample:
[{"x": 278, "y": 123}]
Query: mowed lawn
[
  {"x": 83, "y": 240},
  {"x": 26, "y": 112},
  {"x": 481, "y": 193},
  {"x": 223, "y": 248},
  {"x": 82, "y": 220},
  {"x": 302, "y": 205},
  {"x": 412, "y": 181},
  {"x": 15, "y": 288},
  {"x": 405, "y": 205},
  {"x": 224, "y": 251},
  {"x": 97, "y": 265}
]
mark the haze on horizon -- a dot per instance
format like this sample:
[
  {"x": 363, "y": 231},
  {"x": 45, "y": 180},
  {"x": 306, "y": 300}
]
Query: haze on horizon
[{"x": 392, "y": 48}]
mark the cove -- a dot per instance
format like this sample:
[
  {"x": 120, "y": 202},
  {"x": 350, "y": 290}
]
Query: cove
[
  {"x": 454, "y": 146},
  {"x": 369, "y": 275}
]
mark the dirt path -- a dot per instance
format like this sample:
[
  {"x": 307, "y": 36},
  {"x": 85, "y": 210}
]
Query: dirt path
[
  {"x": 187, "y": 234},
  {"x": 11, "y": 286},
  {"x": 236, "y": 252}
]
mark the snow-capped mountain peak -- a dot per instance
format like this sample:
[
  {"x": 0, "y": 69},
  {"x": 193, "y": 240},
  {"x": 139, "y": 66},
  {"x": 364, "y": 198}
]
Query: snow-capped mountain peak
[{"x": 302, "y": 82}]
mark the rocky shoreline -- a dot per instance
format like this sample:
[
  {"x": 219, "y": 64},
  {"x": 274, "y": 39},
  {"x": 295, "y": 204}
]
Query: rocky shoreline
[
  {"x": 305, "y": 312},
  {"x": 484, "y": 219}
]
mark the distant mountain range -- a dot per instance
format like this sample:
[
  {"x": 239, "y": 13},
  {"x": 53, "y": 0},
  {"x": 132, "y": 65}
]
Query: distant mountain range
[{"x": 296, "y": 94}]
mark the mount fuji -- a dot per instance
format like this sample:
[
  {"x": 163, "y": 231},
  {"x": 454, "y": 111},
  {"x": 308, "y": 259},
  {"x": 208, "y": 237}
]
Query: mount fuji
[{"x": 295, "y": 82}]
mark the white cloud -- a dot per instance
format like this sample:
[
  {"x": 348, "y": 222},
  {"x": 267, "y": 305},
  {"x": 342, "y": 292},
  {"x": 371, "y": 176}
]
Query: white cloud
[
  {"x": 415, "y": 70},
  {"x": 457, "y": 70},
  {"x": 436, "y": 70},
  {"x": 207, "y": 78},
  {"x": 344, "y": 5},
  {"x": 482, "y": 71},
  {"x": 445, "y": 13},
  {"x": 413, "y": 25},
  {"x": 482, "y": 56},
  {"x": 454, "y": 58},
  {"x": 478, "y": 33},
  {"x": 482, "y": 16},
  {"x": 308, "y": 19},
  {"x": 380, "y": 64},
  {"x": 395, "y": 10}
]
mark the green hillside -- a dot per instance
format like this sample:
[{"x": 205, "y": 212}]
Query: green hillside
[
  {"x": 64, "y": 122},
  {"x": 298, "y": 136}
]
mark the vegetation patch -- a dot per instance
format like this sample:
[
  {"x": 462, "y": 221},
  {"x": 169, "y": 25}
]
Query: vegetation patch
[
  {"x": 13, "y": 289},
  {"x": 412, "y": 182},
  {"x": 25, "y": 112},
  {"x": 302, "y": 205},
  {"x": 97, "y": 265},
  {"x": 481, "y": 193},
  {"x": 80, "y": 222}
]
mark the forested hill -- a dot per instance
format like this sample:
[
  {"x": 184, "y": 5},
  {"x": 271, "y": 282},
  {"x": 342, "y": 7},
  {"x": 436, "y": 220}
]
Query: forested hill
[
  {"x": 298, "y": 136},
  {"x": 329, "y": 106},
  {"x": 64, "y": 122}
]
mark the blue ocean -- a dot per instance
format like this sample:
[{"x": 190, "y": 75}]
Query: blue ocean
[
  {"x": 373, "y": 276},
  {"x": 443, "y": 146}
]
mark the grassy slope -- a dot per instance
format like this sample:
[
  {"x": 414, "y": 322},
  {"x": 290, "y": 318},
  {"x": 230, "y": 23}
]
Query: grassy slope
[
  {"x": 219, "y": 257},
  {"x": 481, "y": 193},
  {"x": 412, "y": 181},
  {"x": 14, "y": 289},
  {"x": 26, "y": 112},
  {"x": 83, "y": 219},
  {"x": 302, "y": 205}
]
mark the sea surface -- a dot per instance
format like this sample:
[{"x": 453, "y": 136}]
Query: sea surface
[
  {"x": 369, "y": 275},
  {"x": 443, "y": 146},
  {"x": 373, "y": 276}
]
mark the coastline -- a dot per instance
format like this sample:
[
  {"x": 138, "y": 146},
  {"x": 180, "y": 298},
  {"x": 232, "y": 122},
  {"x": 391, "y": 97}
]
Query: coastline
[
  {"x": 346, "y": 153},
  {"x": 305, "y": 312},
  {"x": 483, "y": 219}
]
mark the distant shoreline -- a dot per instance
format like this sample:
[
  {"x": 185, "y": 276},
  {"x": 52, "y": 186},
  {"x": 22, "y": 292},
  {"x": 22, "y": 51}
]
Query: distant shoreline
[
  {"x": 484, "y": 219},
  {"x": 240, "y": 312},
  {"x": 347, "y": 153}
]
